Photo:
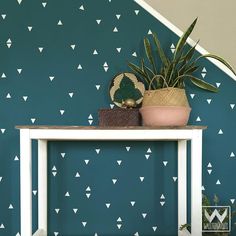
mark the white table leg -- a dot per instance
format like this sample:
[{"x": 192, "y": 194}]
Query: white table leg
[
  {"x": 182, "y": 185},
  {"x": 42, "y": 186},
  {"x": 196, "y": 183},
  {"x": 25, "y": 183}
]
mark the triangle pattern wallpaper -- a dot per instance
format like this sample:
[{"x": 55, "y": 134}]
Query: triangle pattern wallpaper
[{"x": 57, "y": 61}]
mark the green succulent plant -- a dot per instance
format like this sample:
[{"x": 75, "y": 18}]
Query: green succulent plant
[{"x": 174, "y": 70}]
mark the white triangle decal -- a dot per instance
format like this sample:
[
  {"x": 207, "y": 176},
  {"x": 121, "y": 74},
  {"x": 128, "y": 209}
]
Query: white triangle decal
[
  {"x": 35, "y": 192},
  {"x": 88, "y": 195},
  {"x": 44, "y": 4},
  {"x": 144, "y": 215},
  {"x": 132, "y": 203},
  {"x": 162, "y": 203},
  {"x": 67, "y": 194},
  {"x": 2, "y": 226},
  {"x": 79, "y": 67},
  {"x": 165, "y": 163},
  {"x": 62, "y": 112},
  {"x": 134, "y": 54},
  {"x": 119, "y": 162},
  {"x": 218, "y": 182},
  {"x": 108, "y": 205},
  {"x": 114, "y": 181},
  {"x": 154, "y": 228},
  {"x": 118, "y": 16},
  {"x": 3, "y": 16},
  {"x": 127, "y": 149},
  {"x": 232, "y": 154},
  {"x": 81, "y": 8},
  {"x": 149, "y": 32},
  {"x": 25, "y": 98},
  {"x": 57, "y": 210},
  {"x": 88, "y": 189},
  {"x": 77, "y": 175},
  {"x": 73, "y": 46},
  {"x": 19, "y": 71},
  {"x": 71, "y": 94},
  {"x": 3, "y": 76},
  {"x": 209, "y": 171},
  {"x": 149, "y": 150},
  {"x": 175, "y": 178},
  {"x": 59, "y": 22},
  {"x": 84, "y": 223},
  {"x": 162, "y": 196},
  {"x": 209, "y": 165},
  {"x": 54, "y": 173},
  {"x": 203, "y": 188},
  {"x": 209, "y": 101},
  {"x": 19, "y": 1},
  {"x": 10, "y": 207},
  {"x": 119, "y": 226},
  {"x": 86, "y": 162},
  {"x": 51, "y": 78},
  {"x": 115, "y": 30},
  {"x": 232, "y": 201},
  {"x": 218, "y": 85},
  {"x": 8, "y": 95},
  {"x": 33, "y": 120},
  {"x": 141, "y": 178},
  {"x": 98, "y": 21},
  {"x": 220, "y": 131},
  {"x": 136, "y": 12},
  {"x": 192, "y": 95},
  {"x": 30, "y": 28},
  {"x": 16, "y": 158},
  {"x": 63, "y": 154},
  {"x": 95, "y": 52},
  {"x": 232, "y": 106},
  {"x": 98, "y": 86},
  {"x": 118, "y": 50},
  {"x": 40, "y": 49},
  {"x": 198, "y": 119},
  {"x": 3, "y": 131},
  {"x": 119, "y": 219},
  {"x": 75, "y": 210},
  {"x": 147, "y": 156}
]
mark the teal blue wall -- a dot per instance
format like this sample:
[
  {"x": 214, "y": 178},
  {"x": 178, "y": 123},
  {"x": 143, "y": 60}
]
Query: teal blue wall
[{"x": 45, "y": 99}]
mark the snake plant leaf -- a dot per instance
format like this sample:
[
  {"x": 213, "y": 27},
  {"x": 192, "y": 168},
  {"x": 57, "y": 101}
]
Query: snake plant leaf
[
  {"x": 160, "y": 50},
  {"x": 202, "y": 84},
  {"x": 190, "y": 53},
  {"x": 148, "y": 50},
  {"x": 220, "y": 59},
  {"x": 136, "y": 69},
  {"x": 184, "y": 38}
]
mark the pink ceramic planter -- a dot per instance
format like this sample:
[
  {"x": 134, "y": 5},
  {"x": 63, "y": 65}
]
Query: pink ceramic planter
[{"x": 165, "y": 115}]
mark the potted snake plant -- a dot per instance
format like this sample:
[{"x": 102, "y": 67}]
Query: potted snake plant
[{"x": 165, "y": 102}]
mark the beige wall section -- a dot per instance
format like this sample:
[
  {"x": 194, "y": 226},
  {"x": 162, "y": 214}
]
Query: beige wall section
[{"x": 216, "y": 27}]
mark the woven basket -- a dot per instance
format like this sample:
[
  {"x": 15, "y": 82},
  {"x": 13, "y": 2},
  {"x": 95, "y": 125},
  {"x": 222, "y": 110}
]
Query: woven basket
[
  {"x": 165, "y": 97},
  {"x": 119, "y": 117}
]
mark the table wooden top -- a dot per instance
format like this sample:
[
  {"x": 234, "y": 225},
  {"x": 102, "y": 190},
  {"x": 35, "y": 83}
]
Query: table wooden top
[{"x": 189, "y": 127}]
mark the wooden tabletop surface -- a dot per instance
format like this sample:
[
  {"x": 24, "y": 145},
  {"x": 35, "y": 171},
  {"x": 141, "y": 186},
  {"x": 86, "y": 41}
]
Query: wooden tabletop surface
[{"x": 189, "y": 127}]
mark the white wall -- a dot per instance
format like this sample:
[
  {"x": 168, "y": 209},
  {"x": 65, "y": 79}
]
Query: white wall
[{"x": 216, "y": 27}]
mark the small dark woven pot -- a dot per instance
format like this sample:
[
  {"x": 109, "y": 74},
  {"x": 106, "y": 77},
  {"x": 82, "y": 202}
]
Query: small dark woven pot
[{"x": 119, "y": 117}]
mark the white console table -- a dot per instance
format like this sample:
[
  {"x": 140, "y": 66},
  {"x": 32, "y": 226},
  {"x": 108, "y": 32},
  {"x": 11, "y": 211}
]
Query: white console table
[{"x": 45, "y": 133}]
